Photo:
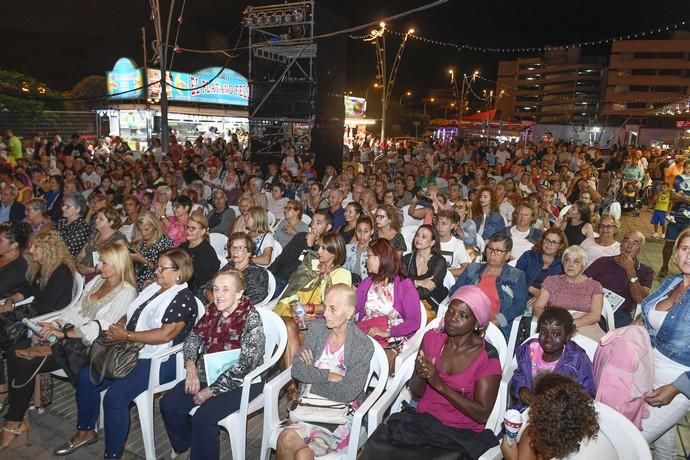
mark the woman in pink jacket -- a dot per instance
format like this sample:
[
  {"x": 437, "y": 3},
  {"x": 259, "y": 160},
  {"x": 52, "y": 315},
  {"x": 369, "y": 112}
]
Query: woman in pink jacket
[{"x": 388, "y": 306}]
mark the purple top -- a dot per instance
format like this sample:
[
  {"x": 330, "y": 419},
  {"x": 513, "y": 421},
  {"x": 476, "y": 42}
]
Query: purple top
[
  {"x": 571, "y": 296},
  {"x": 432, "y": 402},
  {"x": 405, "y": 301},
  {"x": 613, "y": 277}
]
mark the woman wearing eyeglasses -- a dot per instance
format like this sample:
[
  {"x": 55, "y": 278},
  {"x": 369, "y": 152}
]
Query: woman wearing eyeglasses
[
  {"x": 148, "y": 242},
  {"x": 387, "y": 223},
  {"x": 291, "y": 224},
  {"x": 160, "y": 317},
  {"x": 504, "y": 285},
  {"x": 240, "y": 250},
  {"x": 544, "y": 259},
  {"x": 204, "y": 257},
  {"x": 605, "y": 244}
]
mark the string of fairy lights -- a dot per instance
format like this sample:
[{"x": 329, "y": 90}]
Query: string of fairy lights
[{"x": 602, "y": 41}]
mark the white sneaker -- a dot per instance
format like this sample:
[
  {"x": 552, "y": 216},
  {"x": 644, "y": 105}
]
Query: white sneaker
[{"x": 654, "y": 236}]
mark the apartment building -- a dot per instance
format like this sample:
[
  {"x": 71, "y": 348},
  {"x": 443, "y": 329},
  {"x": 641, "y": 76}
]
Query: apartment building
[
  {"x": 646, "y": 75},
  {"x": 560, "y": 87}
]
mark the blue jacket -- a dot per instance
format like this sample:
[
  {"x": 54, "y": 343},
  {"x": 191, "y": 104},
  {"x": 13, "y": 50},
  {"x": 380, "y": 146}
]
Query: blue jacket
[
  {"x": 494, "y": 224},
  {"x": 573, "y": 363},
  {"x": 531, "y": 262},
  {"x": 673, "y": 337},
  {"x": 510, "y": 285}
]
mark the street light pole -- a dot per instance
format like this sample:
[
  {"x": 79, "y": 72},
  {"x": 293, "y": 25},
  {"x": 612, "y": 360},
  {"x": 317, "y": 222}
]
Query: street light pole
[{"x": 428, "y": 100}]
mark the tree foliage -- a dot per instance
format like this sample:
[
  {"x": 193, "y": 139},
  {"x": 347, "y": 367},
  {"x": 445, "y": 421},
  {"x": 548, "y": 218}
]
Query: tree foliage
[{"x": 26, "y": 96}]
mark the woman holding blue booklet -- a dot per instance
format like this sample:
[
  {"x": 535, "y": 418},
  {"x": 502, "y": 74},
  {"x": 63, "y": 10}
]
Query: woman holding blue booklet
[{"x": 230, "y": 323}]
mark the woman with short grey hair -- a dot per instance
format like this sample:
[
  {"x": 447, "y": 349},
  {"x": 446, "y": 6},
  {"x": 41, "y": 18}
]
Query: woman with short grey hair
[
  {"x": 73, "y": 229},
  {"x": 574, "y": 291}
]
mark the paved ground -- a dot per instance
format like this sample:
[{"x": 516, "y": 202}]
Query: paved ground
[{"x": 53, "y": 427}]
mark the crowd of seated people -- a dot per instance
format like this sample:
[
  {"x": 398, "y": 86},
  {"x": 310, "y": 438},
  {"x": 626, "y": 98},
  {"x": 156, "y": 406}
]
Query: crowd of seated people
[{"x": 485, "y": 237}]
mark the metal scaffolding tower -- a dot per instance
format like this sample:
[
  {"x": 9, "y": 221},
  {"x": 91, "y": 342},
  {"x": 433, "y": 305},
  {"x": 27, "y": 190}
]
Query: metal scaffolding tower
[{"x": 282, "y": 82}]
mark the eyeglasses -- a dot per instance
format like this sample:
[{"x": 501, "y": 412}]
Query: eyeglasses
[
  {"x": 289, "y": 208},
  {"x": 490, "y": 250},
  {"x": 380, "y": 216},
  {"x": 607, "y": 226},
  {"x": 554, "y": 242},
  {"x": 160, "y": 269},
  {"x": 238, "y": 248}
]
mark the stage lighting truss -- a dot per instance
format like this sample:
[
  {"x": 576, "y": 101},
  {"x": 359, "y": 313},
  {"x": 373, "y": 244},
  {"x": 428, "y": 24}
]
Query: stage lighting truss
[{"x": 285, "y": 14}]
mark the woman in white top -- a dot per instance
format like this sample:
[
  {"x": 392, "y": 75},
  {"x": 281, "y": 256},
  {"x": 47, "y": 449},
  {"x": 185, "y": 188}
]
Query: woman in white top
[
  {"x": 160, "y": 317},
  {"x": 666, "y": 313},
  {"x": 605, "y": 244},
  {"x": 104, "y": 300}
]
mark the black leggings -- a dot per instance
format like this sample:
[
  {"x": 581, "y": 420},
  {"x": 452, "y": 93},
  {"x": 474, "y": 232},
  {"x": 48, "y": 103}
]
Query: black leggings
[{"x": 20, "y": 373}]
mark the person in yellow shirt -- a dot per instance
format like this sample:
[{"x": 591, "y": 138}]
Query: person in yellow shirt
[{"x": 661, "y": 203}]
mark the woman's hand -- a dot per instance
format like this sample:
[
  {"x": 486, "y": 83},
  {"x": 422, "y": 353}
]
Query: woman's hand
[
  {"x": 48, "y": 329},
  {"x": 6, "y": 306},
  {"x": 202, "y": 396},
  {"x": 662, "y": 395},
  {"x": 427, "y": 370},
  {"x": 116, "y": 333},
  {"x": 289, "y": 229},
  {"x": 378, "y": 332},
  {"x": 509, "y": 450},
  {"x": 192, "y": 383},
  {"x": 426, "y": 283},
  {"x": 307, "y": 357}
]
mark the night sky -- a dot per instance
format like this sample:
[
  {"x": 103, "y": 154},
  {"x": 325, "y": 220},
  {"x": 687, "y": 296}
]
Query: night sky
[{"x": 63, "y": 41}]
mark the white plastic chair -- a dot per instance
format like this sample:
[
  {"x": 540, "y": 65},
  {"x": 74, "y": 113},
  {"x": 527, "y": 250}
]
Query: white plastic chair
[
  {"x": 306, "y": 219},
  {"x": 144, "y": 401},
  {"x": 271, "y": 290},
  {"x": 448, "y": 280},
  {"x": 615, "y": 433},
  {"x": 358, "y": 436},
  {"x": 408, "y": 232},
  {"x": 219, "y": 242},
  {"x": 408, "y": 219},
  {"x": 236, "y": 423},
  {"x": 236, "y": 209},
  {"x": 411, "y": 347},
  {"x": 77, "y": 290}
]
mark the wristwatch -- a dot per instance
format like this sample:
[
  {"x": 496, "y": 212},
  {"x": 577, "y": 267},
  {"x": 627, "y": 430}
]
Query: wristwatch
[{"x": 634, "y": 279}]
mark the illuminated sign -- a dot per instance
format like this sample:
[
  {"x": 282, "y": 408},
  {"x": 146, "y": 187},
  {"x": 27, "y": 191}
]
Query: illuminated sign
[
  {"x": 355, "y": 107},
  {"x": 212, "y": 85},
  {"x": 125, "y": 81}
]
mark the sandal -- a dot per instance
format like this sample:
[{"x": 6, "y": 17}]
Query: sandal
[{"x": 19, "y": 436}]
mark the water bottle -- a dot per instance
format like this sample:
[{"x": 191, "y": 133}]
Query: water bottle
[
  {"x": 36, "y": 329},
  {"x": 300, "y": 313}
]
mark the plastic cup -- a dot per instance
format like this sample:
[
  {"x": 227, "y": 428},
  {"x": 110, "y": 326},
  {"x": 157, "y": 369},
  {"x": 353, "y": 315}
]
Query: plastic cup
[{"x": 512, "y": 423}]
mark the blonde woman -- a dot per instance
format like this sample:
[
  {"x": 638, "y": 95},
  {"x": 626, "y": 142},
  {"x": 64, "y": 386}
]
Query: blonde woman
[
  {"x": 148, "y": 242},
  {"x": 107, "y": 224},
  {"x": 50, "y": 276},
  {"x": 258, "y": 229},
  {"x": 205, "y": 260},
  {"x": 105, "y": 300}
]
